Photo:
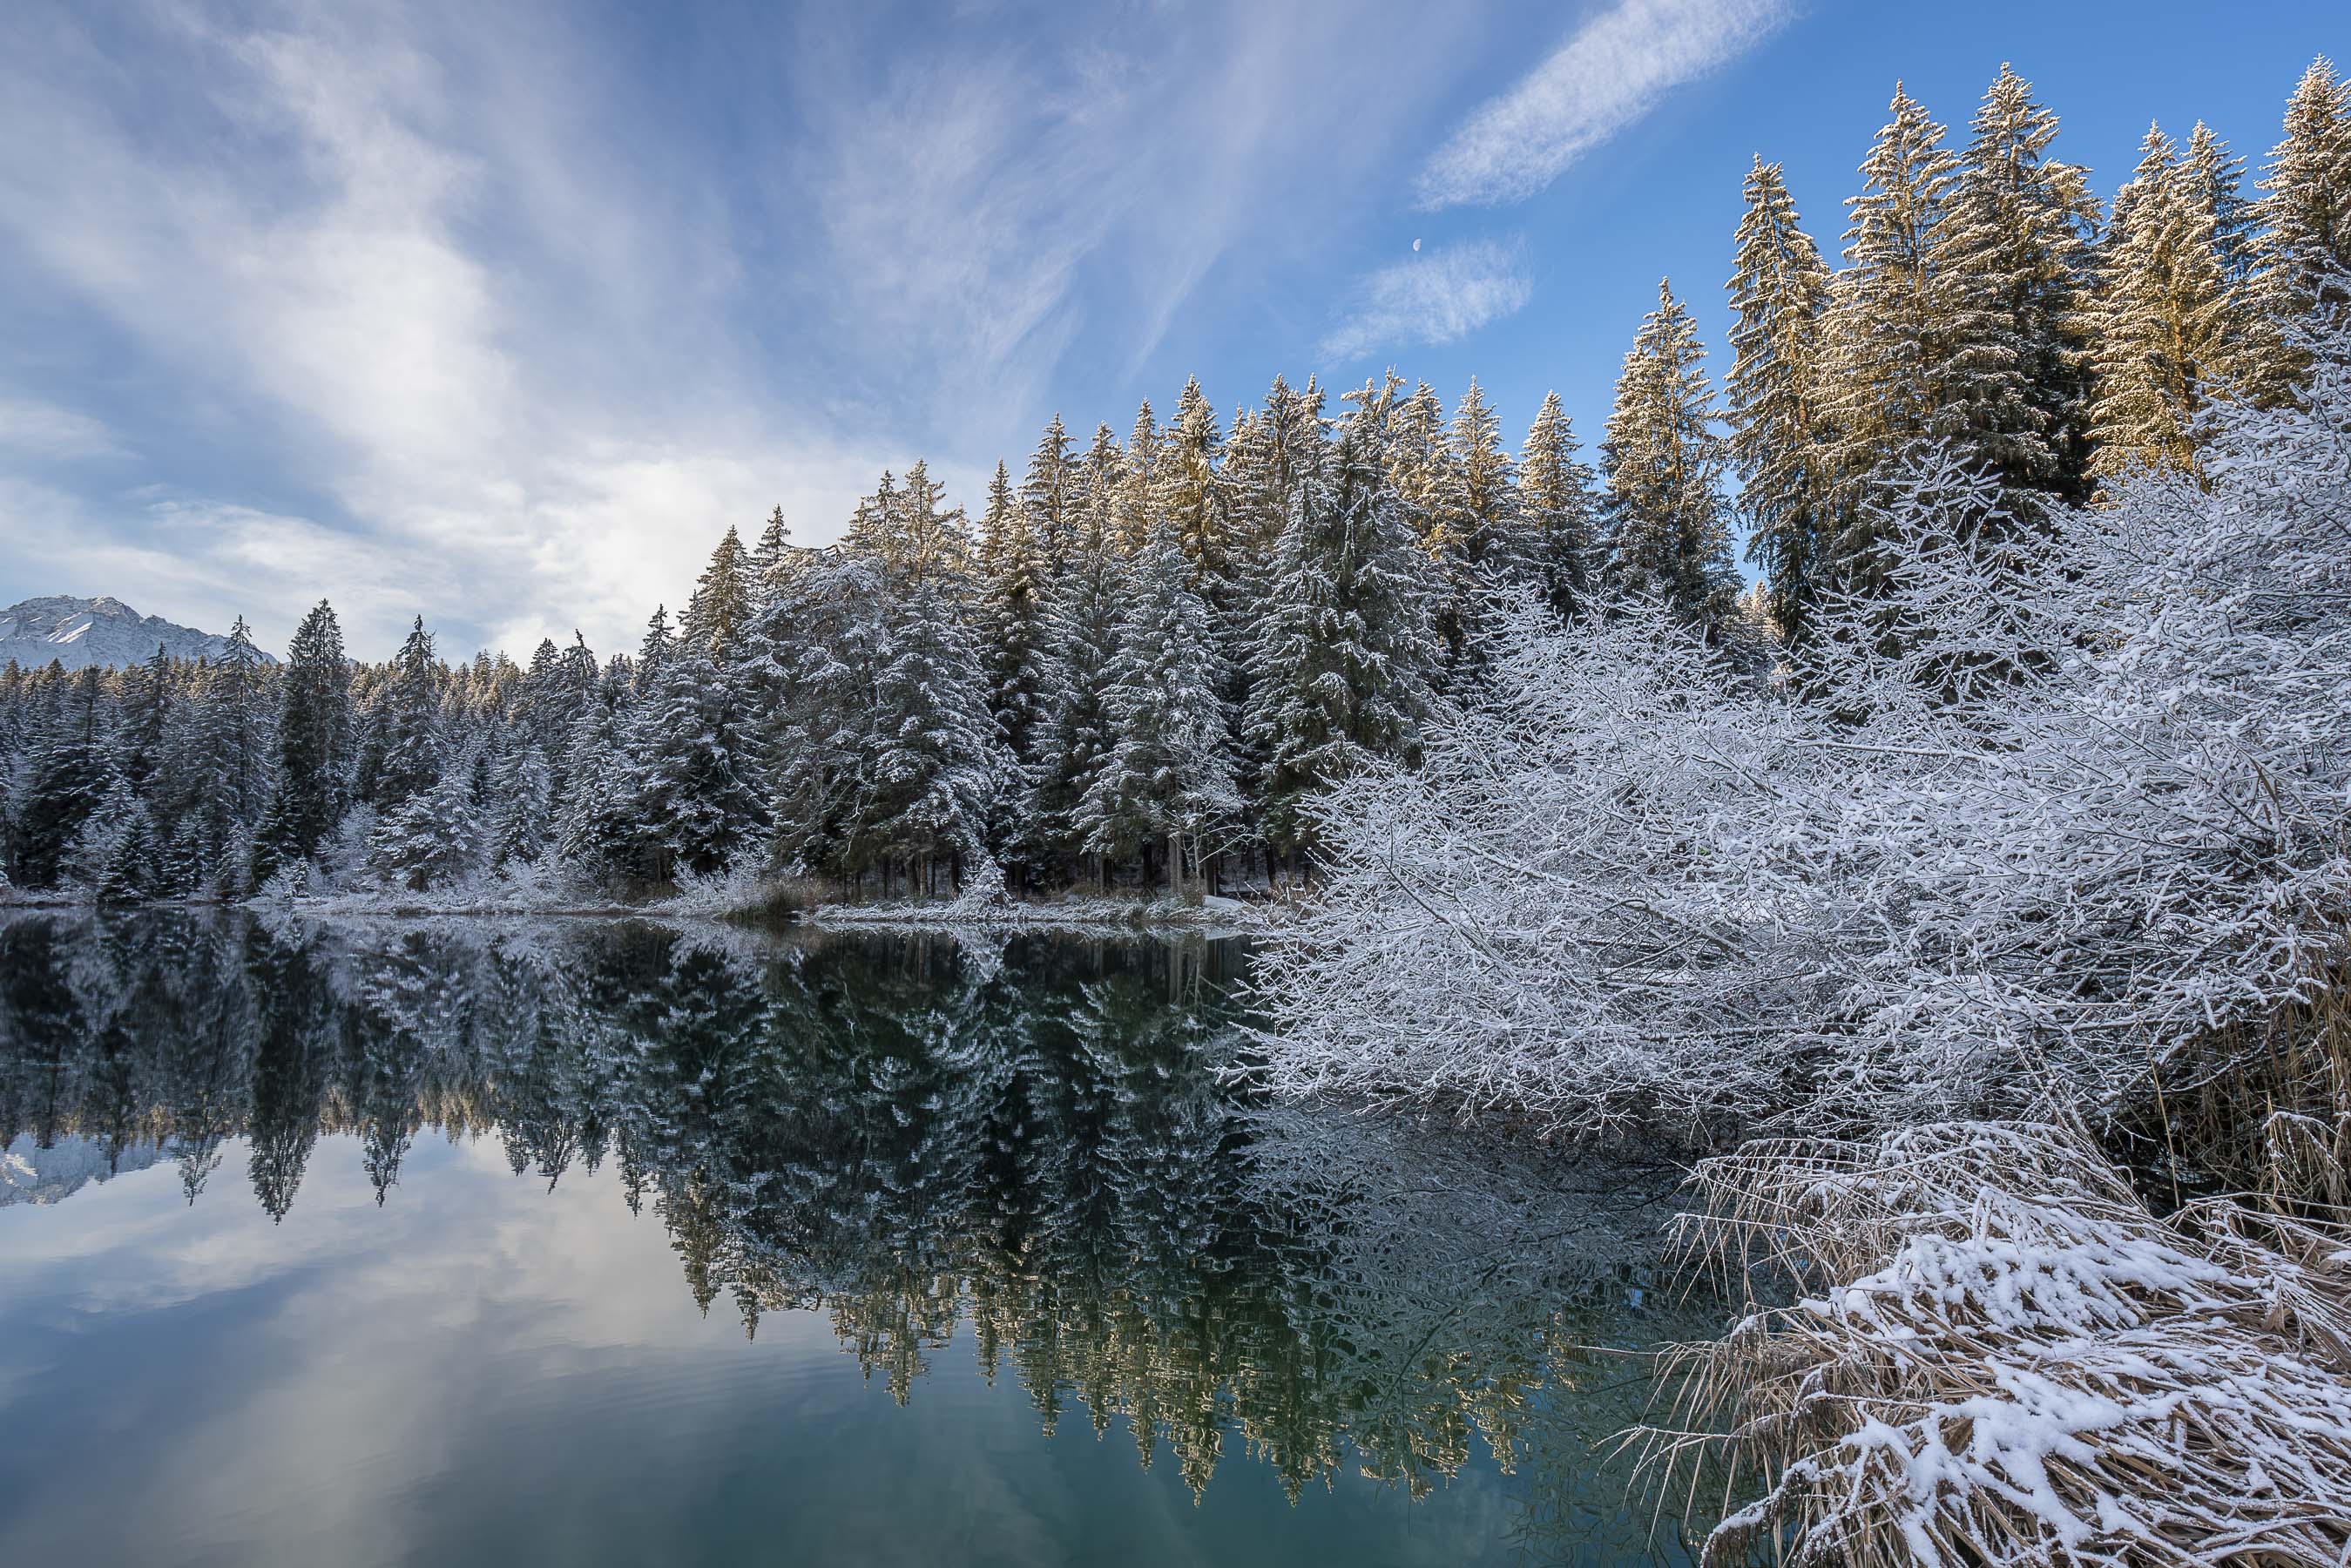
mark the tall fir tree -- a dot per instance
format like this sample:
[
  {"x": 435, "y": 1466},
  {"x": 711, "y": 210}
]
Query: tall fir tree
[
  {"x": 1888, "y": 342},
  {"x": 1168, "y": 779},
  {"x": 719, "y": 614},
  {"x": 2173, "y": 330},
  {"x": 1560, "y": 499},
  {"x": 2012, "y": 252},
  {"x": 1668, "y": 534},
  {"x": 1779, "y": 295},
  {"x": 1081, "y": 638},
  {"x": 407, "y": 722},
  {"x": 1051, "y": 496},
  {"x": 2304, "y": 214},
  {"x": 314, "y": 745},
  {"x": 1343, "y": 663},
  {"x": 1014, "y": 580}
]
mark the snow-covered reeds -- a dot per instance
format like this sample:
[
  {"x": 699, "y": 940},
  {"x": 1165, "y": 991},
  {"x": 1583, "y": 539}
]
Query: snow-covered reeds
[{"x": 1999, "y": 1356}]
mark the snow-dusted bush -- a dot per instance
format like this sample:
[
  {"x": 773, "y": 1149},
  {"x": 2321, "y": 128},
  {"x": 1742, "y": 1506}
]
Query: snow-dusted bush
[
  {"x": 2000, "y": 1356},
  {"x": 2063, "y": 801}
]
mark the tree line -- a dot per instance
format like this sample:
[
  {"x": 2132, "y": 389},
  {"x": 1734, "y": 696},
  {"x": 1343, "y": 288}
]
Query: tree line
[{"x": 1147, "y": 658}]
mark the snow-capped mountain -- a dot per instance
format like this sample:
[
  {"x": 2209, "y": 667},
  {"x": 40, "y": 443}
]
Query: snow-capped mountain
[
  {"x": 30, "y": 1173},
  {"x": 79, "y": 632}
]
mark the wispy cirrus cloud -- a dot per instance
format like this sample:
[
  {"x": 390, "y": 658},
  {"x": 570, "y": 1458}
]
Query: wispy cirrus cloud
[
  {"x": 1609, "y": 74},
  {"x": 42, "y": 430},
  {"x": 502, "y": 314},
  {"x": 1433, "y": 297}
]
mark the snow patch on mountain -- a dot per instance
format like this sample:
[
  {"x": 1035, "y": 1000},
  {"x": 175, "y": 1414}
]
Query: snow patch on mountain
[{"x": 76, "y": 632}]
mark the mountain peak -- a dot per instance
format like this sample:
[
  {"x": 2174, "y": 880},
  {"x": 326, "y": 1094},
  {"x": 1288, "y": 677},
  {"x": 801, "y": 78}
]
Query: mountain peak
[{"x": 79, "y": 632}]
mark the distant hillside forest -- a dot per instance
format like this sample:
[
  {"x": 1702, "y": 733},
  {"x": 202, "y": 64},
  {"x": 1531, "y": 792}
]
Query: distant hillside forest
[{"x": 1149, "y": 658}]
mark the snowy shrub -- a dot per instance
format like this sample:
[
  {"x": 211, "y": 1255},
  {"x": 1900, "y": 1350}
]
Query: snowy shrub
[
  {"x": 741, "y": 887},
  {"x": 2056, "y": 804}
]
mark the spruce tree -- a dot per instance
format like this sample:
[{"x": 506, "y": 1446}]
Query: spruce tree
[
  {"x": 2012, "y": 256},
  {"x": 2172, "y": 331},
  {"x": 1887, "y": 329},
  {"x": 72, "y": 770},
  {"x": 1669, "y": 536},
  {"x": 1344, "y": 657},
  {"x": 1014, "y": 578},
  {"x": 1560, "y": 505},
  {"x": 521, "y": 816},
  {"x": 697, "y": 771},
  {"x": 1170, "y": 775},
  {"x": 725, "y": 599},
  {"x": 314, "y": 745},
  {"x": 1051, "y": 498},
  {"x": 1081, "y": 638},
  {"x": 1477, "y": 534},
  {"x": 2304, "y": 214},
  {"x": 772, "y": 560},
  {"x": 1779, "y": 294},
  {"x": 407, "y": 721},
  {"x": 1138, "y": 485}
]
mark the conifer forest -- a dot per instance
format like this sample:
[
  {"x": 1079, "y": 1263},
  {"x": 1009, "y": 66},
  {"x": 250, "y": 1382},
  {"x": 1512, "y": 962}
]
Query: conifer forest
[
  {"x": 1899, "y": 766},
  {"x": 1145, "y": 658}
]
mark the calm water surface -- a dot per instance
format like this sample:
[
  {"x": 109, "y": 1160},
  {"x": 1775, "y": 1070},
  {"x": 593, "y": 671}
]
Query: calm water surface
[{"x": 612, "y": 1243}]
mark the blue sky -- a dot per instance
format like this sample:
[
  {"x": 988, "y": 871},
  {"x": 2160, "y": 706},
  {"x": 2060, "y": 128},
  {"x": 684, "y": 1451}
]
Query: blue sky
[{"x": 502, "y": 313}]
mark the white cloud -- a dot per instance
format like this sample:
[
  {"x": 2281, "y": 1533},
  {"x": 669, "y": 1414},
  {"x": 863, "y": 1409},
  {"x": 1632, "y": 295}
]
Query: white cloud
[
  {"x": 460, "y": 309},
  {"x": 46, "y": 431},
  {"x": 1438, "y": 295},
  {"x": 1606, "y": 77}
]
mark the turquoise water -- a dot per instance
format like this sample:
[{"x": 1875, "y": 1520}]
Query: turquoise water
[{"x": 607, "y": 1243}]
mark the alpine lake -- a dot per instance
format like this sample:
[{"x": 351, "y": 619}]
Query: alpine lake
[{"x": 524, "y": 1242}]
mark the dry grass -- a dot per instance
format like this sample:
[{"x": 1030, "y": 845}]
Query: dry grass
[{"x": 2000, "y": 1356}]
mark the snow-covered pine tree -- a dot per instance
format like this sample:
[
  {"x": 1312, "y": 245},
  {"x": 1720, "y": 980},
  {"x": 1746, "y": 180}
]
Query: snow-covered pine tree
[
  {"x": 2012, "y": 250},
  {"x": 1413, "y": 445},
  {"x": 1014, "y": 581},
  {"x": 149, "y": 691},
  {"x": 1191, "y": 494},
  {"x": 1669, "y": 532},
  {"x": 432, "y": 839},
  {"x": 886, "y": 756},
  {"x": 2172, "y": 329},
  {"x": 521, "y": 807},
  {"x": 1779, "y": 293},
  {"x": 406, "y": 721},
  {"x": 221, "y": 766},
  {"x": 2305, "y": 214},
  {"x": 725, "y": 601},
  {"x": 1558, "y": 496},
  {"x": 595, "y": 824},
  {"x": 2216, "y": 179},
  {"x": 940, "y": 763},
  {"x": 695, "y": 768},
  {"x": 1051, "y": 496},
  {"x": 834, "y": 638},
  {"x": 773, "y": 560},
  {"x": 93, "y": 865},
  {"x": 1138, "y": 485},
  {"x": 1345, "y": 656},
  {"x": 1168, "y": 777},
  {"x": 1478, "y": 535},
  {"x": 1887, "y": 346},
  {"x": 1081, "y": 636},
  {"x": 314, "y": 747},
  {"x": 654, "y": 649}
]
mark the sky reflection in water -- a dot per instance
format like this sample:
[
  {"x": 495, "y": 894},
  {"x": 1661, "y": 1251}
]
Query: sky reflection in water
[{"x": 902, "y": 1165}]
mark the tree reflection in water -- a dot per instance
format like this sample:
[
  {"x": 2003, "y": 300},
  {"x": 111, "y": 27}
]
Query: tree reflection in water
[{"x": 1043, "y": 1143}]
